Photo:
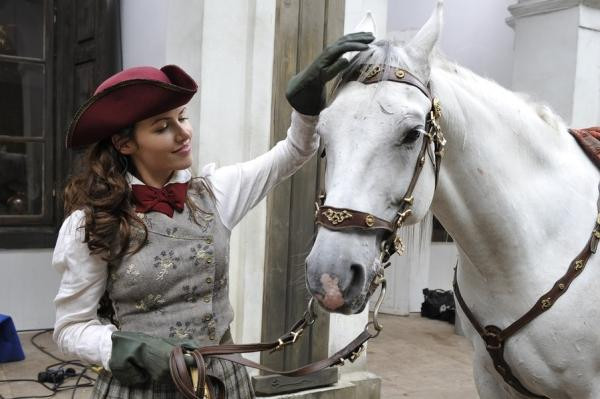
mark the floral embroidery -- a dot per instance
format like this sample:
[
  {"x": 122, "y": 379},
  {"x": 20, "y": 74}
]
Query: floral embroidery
[
  {"x": 132, "y": 271},
  {"x": 202, "y": 253},
  {"x": 220, "y": 283},
  {"x": 150, "y": 302},
  {"x": 202, "y": 219},
  {"x": 146, "y": 219},
  {"x": 190, "y": 294},
  {"x": 171, "y": 232},
  {"x": 181, "y": 330},
  {"x": 164, "y": 262},
  {"x": 212, "y": 329}
]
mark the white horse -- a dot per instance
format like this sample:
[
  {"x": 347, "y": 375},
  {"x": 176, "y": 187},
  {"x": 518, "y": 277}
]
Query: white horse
[{"x": 515, "y": 191}]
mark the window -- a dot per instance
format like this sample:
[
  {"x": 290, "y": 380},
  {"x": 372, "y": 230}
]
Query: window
[
  {"x": 52, "y": 55},
  {"x": 26, "y": 139}
]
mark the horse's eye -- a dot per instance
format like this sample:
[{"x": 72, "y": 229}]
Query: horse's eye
[{"x": 412, "y": 136}]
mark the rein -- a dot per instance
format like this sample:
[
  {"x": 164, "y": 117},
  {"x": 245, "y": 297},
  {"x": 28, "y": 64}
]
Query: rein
[
  {"x": 196, "y": 384},
  {"x": 339, "y": 219}
]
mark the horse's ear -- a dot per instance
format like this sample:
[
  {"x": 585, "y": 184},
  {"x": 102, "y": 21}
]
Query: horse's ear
[
  {"x": 421, "y": 46},
  {"x": 367, "y": 24}
]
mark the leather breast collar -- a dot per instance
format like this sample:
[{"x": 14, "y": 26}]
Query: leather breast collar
[{"x": 495, "y": 338}]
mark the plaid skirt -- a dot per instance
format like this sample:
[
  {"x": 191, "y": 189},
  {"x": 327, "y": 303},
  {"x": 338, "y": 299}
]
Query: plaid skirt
[{"x": 235, "y": 378}]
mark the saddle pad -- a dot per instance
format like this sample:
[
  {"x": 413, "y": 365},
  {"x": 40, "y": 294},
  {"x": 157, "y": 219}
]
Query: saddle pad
[{"x": 589, "y": 140}]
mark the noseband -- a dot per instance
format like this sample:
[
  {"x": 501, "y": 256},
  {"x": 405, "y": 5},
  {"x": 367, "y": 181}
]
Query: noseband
[{"x": 339, "y": 219}]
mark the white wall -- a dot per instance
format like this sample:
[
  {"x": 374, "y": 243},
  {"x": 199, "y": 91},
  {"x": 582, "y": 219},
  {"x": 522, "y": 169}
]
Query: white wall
[
  {"x": 475, "y": 33},
  {"x": 144, "y": 32},
  {"x": 28, "y": 285},
  {"x": 567, "y": 33}
]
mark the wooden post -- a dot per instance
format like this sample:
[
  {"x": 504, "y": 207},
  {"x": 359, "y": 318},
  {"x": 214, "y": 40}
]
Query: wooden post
[{"x": 303, "y": 28}]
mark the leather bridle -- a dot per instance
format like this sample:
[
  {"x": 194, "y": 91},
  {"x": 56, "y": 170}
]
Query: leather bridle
[{"x": 340, "y": 219}]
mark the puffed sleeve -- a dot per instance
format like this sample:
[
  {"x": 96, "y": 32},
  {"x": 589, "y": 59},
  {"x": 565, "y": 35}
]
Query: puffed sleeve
[
  {"x": 77, "y": 330},
  {"x": 239, "y": 187}
]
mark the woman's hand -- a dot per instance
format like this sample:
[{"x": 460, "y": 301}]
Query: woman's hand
[
  {"x": 138, "y": 358},
  {"x": 306, "y": 91}
]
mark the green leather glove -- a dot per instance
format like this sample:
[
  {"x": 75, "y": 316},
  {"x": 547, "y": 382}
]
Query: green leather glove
[
  {"x": 306, "y": 91},
  {"x": 137, "y": 358}
]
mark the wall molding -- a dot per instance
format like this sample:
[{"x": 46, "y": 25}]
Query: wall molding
[{"x": 528, "y": 8}]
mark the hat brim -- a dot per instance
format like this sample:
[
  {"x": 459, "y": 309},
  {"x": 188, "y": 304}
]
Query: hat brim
[{"x": 126, "y": 103}]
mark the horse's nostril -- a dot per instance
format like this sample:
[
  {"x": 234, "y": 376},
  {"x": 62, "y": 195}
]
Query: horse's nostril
[{"x": 357, "y": 281}]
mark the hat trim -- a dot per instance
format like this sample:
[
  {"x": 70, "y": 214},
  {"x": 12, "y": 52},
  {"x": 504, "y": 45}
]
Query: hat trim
[{"x": 116, "y": 87}]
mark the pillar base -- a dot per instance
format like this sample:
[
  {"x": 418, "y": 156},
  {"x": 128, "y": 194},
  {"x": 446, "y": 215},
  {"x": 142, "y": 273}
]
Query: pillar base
[{"x": 357, "y": 385}]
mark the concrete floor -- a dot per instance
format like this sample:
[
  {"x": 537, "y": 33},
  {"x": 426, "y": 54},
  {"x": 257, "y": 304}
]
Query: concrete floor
[
  {"x": 415, "y": 357},
  {"x": 421, "y": 359}
]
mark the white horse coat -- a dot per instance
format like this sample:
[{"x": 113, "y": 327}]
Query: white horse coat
[{"x": 516, "y": 193}]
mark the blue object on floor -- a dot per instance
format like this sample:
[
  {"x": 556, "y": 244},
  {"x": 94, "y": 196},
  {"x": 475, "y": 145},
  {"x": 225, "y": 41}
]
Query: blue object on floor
[{"x": 10, "y": 346}]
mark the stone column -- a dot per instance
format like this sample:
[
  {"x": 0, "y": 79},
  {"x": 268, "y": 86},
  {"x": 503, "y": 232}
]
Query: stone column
[
  {"x": 557, "y": 56},
  {"x": 235, "y": 95}
]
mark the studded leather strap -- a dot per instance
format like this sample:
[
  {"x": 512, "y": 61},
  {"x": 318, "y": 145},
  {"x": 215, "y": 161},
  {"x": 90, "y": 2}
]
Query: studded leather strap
[
  {"x": 340, "y": 219},
  {"x": 373, "y": 73}
]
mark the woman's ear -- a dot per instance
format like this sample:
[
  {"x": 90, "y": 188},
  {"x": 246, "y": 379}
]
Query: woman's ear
[{"x": 124, "y": 145}]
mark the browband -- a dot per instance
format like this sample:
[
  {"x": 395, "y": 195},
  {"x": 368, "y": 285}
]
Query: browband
[{"x": 374, "y": 73}]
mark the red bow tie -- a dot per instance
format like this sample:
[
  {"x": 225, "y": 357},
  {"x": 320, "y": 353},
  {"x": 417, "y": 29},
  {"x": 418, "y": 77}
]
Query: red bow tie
[{"x": 165, "y": 200}]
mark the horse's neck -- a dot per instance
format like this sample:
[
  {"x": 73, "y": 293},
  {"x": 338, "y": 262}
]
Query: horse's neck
[{"x": 516, "y": 194}]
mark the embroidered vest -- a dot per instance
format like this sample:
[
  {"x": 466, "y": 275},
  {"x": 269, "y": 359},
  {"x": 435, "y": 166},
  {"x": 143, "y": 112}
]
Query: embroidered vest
[{"x": 177, "y": 284}]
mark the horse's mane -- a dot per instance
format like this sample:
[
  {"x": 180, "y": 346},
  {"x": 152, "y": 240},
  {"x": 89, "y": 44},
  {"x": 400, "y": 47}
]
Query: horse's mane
[
  {"x": 389, "y": 52},
  {"x": 493, "y": 91}
]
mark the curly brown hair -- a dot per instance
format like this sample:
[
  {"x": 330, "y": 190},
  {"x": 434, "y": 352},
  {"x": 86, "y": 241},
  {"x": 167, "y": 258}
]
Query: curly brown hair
[{"x": 102, "y": 191}]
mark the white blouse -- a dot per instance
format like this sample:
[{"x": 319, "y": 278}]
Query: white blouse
[{"x": 237, "y": 188}]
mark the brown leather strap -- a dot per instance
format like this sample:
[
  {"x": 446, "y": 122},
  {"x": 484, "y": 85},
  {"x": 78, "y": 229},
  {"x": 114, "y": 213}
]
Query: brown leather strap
[
  {"x": 496, "y": 338},
  {"x": 183, "y": 382},
  {"x": 349, "y": 352},
  {"x": 181, "y": 375},
  {"x": 494, "y": 345}
]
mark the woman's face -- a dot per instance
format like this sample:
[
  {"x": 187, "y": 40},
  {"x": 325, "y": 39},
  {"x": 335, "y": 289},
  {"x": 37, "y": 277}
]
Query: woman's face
[{"x": 161, "y": 145}]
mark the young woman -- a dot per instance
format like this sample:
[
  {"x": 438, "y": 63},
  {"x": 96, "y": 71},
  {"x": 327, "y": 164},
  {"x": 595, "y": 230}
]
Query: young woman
[{"x": 153, "y": 241}]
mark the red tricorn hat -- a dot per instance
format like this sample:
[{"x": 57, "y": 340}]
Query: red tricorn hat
[{"x": 128, "y": 97}]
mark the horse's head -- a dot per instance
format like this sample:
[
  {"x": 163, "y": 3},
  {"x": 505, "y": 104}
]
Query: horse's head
[{"x": 380, "y": 169}]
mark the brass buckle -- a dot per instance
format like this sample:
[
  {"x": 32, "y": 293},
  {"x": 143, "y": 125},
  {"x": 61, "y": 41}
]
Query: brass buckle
[
  {"x": 356, "y": 354},
  {"x": 402, "y": 216},
  {"x": 492, "y": 339},
  {"x": 288, "y": 339}
]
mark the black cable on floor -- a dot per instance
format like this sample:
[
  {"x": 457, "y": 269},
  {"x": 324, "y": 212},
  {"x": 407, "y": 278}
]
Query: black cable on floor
[{"x": 57, "y": 387}]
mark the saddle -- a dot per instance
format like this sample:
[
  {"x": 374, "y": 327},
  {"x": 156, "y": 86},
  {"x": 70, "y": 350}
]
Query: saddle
[{"x": 589, "y": 140}]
